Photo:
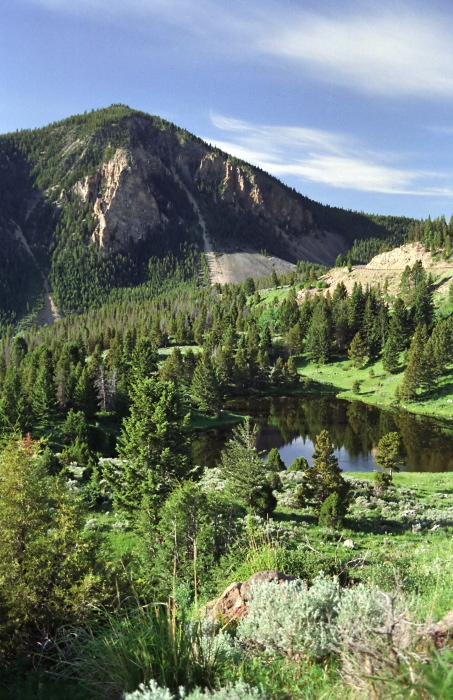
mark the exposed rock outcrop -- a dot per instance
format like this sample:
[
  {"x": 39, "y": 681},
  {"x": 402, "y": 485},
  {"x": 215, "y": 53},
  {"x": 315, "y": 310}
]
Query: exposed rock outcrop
[
  {"x": 442, "y": 632},
  {"x": 232, "y": 604},
  {"x": 122, "y": 200}
]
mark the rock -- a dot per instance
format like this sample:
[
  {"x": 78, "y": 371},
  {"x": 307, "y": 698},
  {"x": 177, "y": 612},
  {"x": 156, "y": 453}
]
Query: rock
[
  {"x": 442, "y": 631},
  {"x": 232, "y": 604},
  {"x": 349, "y": 543}
]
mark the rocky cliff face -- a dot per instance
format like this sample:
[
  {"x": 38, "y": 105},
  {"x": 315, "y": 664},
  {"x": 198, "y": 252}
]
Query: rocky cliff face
[
  {"x": 129, "y": 201},
  {"x": 241, "y": 186},
  {"x": 123, "y": 203}
]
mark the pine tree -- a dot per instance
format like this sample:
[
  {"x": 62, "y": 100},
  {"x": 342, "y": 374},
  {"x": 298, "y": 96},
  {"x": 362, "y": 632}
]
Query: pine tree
[
  {"x": 320, "y": 335},
  {"x": 173, "y": 368},
  {"x": 43, "y": 399},
  {"x": 357, "y": 351},
  {"x": 85, "y": 394},
  {"x": 416, "y": 366},
  {"x": 154, "y": 446},
  {"x": 391, "y": 355},
  {"x": 389, "y": 454},
  {"x": 274, "y": 461},
  {"x": 399, "y": 324},
  {"x": 291, "y": 374},
  {"x": 244, "y": 471},
  {"x": 206, "y": 388},
  {"x": 143, "y": 362},
  {"x": 423, "y": 310},
  {"x": 295, "y": 340},
  {"x": 324, "y": 476}
]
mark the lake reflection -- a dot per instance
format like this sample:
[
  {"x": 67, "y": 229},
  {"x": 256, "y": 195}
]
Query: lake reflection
[{"x": 291, "y": 424}]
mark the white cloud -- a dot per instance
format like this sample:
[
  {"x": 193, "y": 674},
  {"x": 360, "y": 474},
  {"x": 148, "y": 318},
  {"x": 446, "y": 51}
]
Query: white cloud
[
  {"x": 326, "y": 158},
  {"x": 387, "y": 49},
  {"x": 396, "y": 51}
]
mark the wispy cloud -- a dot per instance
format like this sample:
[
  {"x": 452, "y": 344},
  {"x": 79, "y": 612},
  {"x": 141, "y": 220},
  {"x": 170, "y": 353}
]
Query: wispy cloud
[
  {"x": 326, "y": 158},
  {"x": 387, "y": 50}
]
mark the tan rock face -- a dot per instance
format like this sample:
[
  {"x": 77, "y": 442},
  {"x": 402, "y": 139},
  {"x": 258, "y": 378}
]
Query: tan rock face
[
  {"x": 237, "y": 185},
  {"x": 232, "y": 604},
  {"x": 122, "y": 200}
]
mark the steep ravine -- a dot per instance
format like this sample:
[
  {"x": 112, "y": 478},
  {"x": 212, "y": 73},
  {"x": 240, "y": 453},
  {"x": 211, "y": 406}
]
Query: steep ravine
[{"x": 49, "y": 314}]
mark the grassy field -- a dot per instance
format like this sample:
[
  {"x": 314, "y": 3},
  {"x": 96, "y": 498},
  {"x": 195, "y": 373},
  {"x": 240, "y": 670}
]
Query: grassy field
[{"x": 376, "y": 386}]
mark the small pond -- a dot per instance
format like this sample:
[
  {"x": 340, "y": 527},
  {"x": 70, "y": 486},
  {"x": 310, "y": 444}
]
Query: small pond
[{"x": 291, "y": 424}]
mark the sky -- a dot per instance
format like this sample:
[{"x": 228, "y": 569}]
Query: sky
[{"x": 350, "y": 102}]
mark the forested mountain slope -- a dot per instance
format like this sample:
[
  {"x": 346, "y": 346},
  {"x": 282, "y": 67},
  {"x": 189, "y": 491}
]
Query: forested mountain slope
[{"x": 117, "y": 198}]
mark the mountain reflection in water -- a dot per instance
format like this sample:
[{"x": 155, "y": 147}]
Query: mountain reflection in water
[{"x": 291, "y": 424}]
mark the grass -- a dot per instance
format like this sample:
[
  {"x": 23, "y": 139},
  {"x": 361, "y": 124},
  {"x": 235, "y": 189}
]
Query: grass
[
  {"x": 201, "y": 421},
  {"x": 379, "y": 389},
  {"x": 166, "y": 352},
  {"x": 389, "y": 548}
]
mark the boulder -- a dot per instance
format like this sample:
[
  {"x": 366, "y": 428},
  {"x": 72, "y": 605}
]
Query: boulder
[
  {"x": 442, "y": 632},
  {"x": 232, "y": 604}
]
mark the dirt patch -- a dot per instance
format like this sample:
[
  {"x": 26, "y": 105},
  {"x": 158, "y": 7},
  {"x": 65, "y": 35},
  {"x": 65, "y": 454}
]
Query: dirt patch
[
  {"x": 386, "y": 268},
  {"x": 236, "y": 267}
]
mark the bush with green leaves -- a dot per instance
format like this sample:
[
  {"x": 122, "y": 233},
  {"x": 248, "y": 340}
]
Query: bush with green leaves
[
  {"x": 332, "y": 511},
  {"x": 382, "y": 481},
  {"x": 238, "y": 691}
]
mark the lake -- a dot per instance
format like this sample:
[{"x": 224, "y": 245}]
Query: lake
[{"x": 291, "y": 424}]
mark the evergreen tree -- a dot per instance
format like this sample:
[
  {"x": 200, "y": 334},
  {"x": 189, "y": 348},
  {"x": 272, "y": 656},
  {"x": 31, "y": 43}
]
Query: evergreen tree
[
  {"x": 320, "y": 335},
  {"x": 423, "y": 309},
  {"x": 48, "y": 562},
  {"x": 154, "y": 447},
  {"x": 416, "y": 366},
  {"x": 300, "y": 464},
  {"x": 43, "y": 400},
  {"x": 173, "y": 368},
  {"x": 399, "y": 324},
  {"x": 357, "y": 351},
  {"x": 289, "y": 311},
  {"x": 143, "y": 362},
  {"x": 389, "y": 452},
  {"x": 206, "y": 388},
  {"x": 323, "y": 477},
  {"x": 295, "y": 340},
  {"x": 85, "y": 394},
  {"x": 244, "y": 471},
  {"x": 391, "y": 355},
  {"x": 274, "y": 461},
  {"x": 291, "y": 374}
]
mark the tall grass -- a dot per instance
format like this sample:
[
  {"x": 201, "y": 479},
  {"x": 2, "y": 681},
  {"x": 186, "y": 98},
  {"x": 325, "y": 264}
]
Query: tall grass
[{"x": 124, "y": 650}]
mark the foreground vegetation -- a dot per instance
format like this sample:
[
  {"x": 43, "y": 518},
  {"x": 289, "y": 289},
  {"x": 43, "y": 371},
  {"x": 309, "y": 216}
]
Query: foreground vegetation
[{"x": 388, "y": 564}]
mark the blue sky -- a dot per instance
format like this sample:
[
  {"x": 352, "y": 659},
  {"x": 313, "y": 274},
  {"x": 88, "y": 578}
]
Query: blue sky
[{"x": 350, "y": 103}]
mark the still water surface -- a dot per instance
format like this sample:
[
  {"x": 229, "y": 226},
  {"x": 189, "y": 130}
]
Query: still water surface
[{"x": 291, "y": 424}]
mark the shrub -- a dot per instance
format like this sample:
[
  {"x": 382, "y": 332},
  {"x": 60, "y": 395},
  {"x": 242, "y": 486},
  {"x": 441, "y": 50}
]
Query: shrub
[
  {"x": 299, "y": 465},
  {"x": 375, "y": 639},
  {"x": 291, "y": 619},
  {"x": 382, "y": 481},
  {"x": 238, "y": 691},
  {"x": 332, "y": 511}
]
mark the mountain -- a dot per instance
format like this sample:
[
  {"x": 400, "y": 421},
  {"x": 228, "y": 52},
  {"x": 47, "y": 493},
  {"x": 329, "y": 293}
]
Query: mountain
[{"x": 116, "y": 198}]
